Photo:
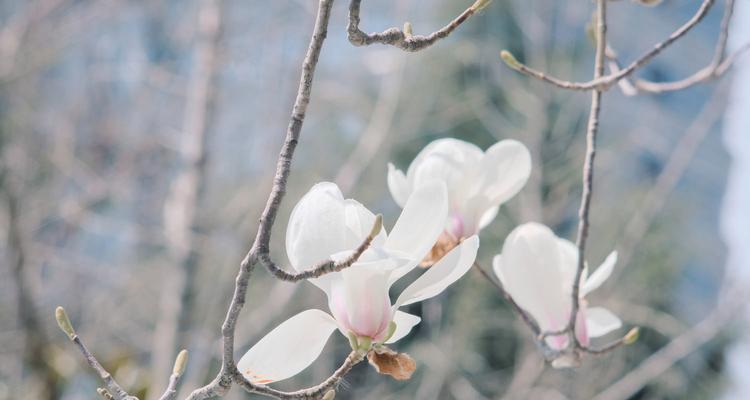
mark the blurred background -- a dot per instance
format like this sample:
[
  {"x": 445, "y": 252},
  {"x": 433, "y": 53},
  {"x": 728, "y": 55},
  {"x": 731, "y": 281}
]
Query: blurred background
[{"x": 138, "y": 142}]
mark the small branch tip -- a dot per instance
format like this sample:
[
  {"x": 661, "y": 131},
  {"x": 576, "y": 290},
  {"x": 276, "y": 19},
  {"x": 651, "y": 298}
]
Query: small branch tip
[
  {"x": 479, "y": 5},
  {"x": 64, "y": 322},
  {"x": 180, "y": 363},
  {"x": 509, "y": 59},
  {"x": 376, "y": 226}
]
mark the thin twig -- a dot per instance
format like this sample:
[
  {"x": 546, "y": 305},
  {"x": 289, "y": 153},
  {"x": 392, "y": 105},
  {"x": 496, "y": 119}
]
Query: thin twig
[
  {"x": 719, "y": 64},
  {"x": 404, "y": 39},
  {"x": 603, "y": 83},
  {"x": 677, "y": 349},
  {"x": 524, "y": 315},
  {"x": 312, "y": 393},
  {"x": 324, "y": 267},
  {"x": 588, "y": 166},
  {"x": 112, "y": 386}
]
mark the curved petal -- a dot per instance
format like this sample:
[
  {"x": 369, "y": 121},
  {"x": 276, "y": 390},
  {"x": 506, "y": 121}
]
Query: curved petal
[
  {"x": 569, "y": 264},
  {"x": 530, "y": 270},
  {"x": 600, "y": 275},
  {"x": 452, "y": 161},
  {"x": 421, "y": 222},
  {"x": 505, "y": 169},
  {"x": 323, "y": 223},
  {"x": 288, "y": 349},
  {"x": 398, "y": 185},
  {"x": 488, "y": 216},
  {"x": 404, "y": 323},
  {"x": 446, "y": 271},
  {"x": 600, "y": 321}
]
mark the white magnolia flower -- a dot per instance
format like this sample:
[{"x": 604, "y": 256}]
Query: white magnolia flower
[
  {"x": 537, "y": 269},
  {"x": 478, "y": 183},
  {"x": 325, "y": 225}
]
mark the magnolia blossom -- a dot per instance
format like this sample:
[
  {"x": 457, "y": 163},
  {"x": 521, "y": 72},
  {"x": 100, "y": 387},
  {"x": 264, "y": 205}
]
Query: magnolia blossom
[
  {"x": 325, "y": 225},
  {"x": 537, "y": 269},
  {"x": 478, "y": 183}
]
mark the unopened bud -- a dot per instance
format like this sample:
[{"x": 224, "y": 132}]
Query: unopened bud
[
  {"x": 479, "y": 5},
  {"x": 510, "y": 59},
  {"x": 632, "y": 336},
  {"x": 377, "y": 225},
  {"x": 330, "y": 395},
  {"x": 407, "y": 29},
  {"x": 180, "y": 363},
  {"x": 649, "y": 3},
  {"x": 64, "y": 322}
]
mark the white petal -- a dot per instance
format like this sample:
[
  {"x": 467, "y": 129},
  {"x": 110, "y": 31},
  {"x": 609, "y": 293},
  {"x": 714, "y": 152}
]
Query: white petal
[
  {"x": 452, "y": 161},
  {"x": 288, "y": 349},
  {"x": 505, "y": 168},
  {"x": 323, "y": 224},
  {"x": 421, "y": 221},
  {"x": 404, "y": 323},
  {"x": 488, "y": 216},
  {"x": 600, "y": 321},
  {"x": 601, "y": 274},
  {"x": 441, "y": 275},
  {"x": 530, "y": 270},
  {"x": 398, "y": 185},
  {"x": 569, "y": 264}
]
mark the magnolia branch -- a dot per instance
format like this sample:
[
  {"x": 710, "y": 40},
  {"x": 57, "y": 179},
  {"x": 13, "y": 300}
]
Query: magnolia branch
[
  {"x": 405, "y": 39},
  {"x": 315, "y": 392},
  {"x": 718, "y": 66},
  {"x": 229, "y": 373},
  {"x": 324, "y": 267},
  {"x": 603, "y": 83},
  {"x": 588, "y": 166}
]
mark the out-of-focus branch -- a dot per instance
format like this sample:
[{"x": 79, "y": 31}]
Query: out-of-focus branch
[
  {"x": 639, "y": 223},
  {"x": 603, "y": 83},
  {"x": 181, "y": 208},
  {"x": 229, "y": 373},
  {"x": 404, "y": 39},
  {"x": 677, "y": 349},
  {"x": 115, "y": 390}
]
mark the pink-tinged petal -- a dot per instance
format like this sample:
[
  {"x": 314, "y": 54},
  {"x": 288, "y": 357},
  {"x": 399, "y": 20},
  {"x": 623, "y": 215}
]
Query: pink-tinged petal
[
  {"x": 404, "y": 324},
  {"x": 530, "y": 270},
  {"x": 421, "y": 222},
  {"x": 360, "y": 301},
  {"x": 600, "y": 321},
  {"x": 398, "y": 185},
  {"x": 600, "y": 275},
  {"x": 288, "y": 349},
  {"x": 441, "y": 275},
  {"x": 582, "y": 330}
]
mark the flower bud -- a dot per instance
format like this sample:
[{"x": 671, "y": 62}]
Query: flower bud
[
  {"x": 64, "y": 322},
  {"x": 180, "y": 363},
  {"x": 479, "y": 5},
  {"x": 330, "y": 395},
  {"x": 509, "y": 59}
]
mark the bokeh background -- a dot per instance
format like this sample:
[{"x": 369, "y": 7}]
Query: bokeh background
[{"x": 138, "y": 141}]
